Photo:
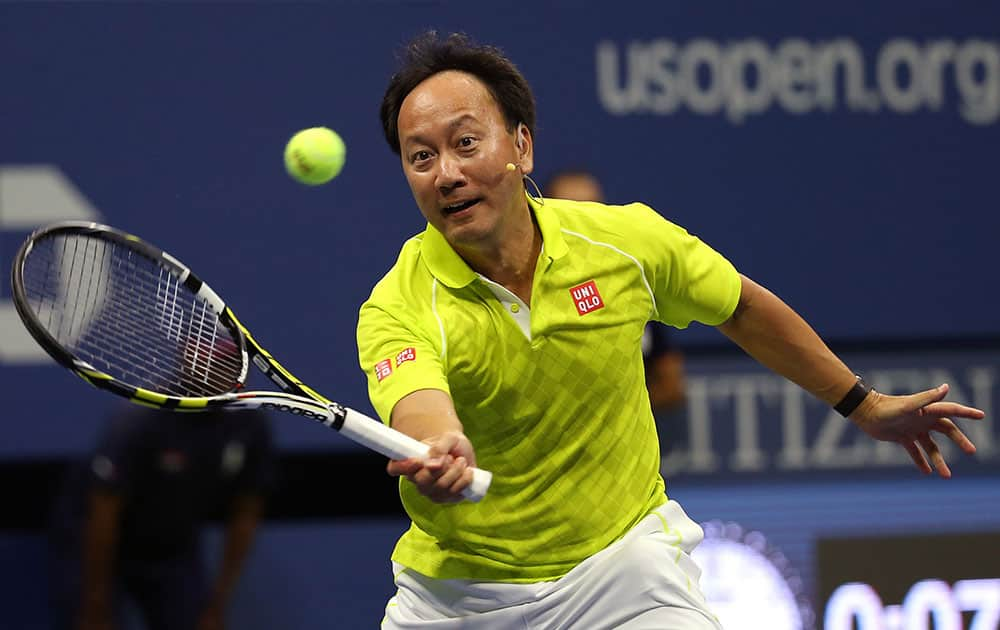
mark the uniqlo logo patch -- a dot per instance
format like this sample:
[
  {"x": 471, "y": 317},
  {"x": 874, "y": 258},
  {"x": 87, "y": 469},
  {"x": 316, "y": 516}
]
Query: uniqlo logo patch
[
  {"x": 406, "y": 355},
  {"x": 586, "y": 298},
  {"x": 383, "y": 369}
]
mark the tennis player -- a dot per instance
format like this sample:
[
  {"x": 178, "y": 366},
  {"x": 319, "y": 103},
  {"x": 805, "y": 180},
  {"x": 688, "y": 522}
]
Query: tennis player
[{"x": 508, "y": 336}]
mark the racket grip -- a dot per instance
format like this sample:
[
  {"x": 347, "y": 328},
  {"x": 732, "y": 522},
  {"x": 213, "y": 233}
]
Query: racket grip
[
  {"x": 481, "y": 480},
  {"x": 394, "y": 444}
]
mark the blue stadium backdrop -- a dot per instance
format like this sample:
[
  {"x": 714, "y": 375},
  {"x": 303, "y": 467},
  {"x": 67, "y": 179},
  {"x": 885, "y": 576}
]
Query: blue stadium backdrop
[{"x": 843, "y": 155}]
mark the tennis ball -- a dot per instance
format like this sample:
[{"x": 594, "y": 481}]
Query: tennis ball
[{"x": 314, "y": 156}]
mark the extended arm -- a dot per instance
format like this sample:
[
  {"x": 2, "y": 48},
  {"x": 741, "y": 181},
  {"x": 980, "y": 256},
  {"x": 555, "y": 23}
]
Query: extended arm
[
  {"x": 777, "y": 337},
  {"x": 100, "y": 541},
  {"x": 429, "y": 416}
]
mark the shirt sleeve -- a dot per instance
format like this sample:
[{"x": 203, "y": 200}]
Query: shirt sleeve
[
  {"x": 689, "y": 279},
  {"x": 398, "y": 357}
]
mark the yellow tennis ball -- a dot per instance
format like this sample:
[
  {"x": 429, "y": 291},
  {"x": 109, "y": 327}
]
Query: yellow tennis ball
[{"x": 315, "y": 156}]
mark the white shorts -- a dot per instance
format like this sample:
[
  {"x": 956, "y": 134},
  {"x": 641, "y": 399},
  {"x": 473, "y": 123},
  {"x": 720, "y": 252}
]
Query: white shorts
[{"x": 646, "y": 580}]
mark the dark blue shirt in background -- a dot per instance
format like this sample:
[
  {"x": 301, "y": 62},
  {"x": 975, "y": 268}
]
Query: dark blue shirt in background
[{"x": 173, "y": 471}]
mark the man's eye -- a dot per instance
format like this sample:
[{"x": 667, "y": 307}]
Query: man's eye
[
  {"x": 420, "y": 156},
  {"x": 466, "y": 141}
]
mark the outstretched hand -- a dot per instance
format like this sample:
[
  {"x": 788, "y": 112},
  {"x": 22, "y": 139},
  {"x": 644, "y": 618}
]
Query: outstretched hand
[
  {"x": 445, "y": 472},
  {"x": 910, "y": 421}
]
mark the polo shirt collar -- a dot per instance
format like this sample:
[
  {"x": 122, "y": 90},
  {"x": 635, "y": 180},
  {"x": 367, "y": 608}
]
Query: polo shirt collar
[
  {"x": 449, "y": 268},
  {"x": 553, "y": 244}
]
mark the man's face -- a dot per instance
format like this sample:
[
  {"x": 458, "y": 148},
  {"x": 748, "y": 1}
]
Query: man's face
[{"x": 454, "y": 148}]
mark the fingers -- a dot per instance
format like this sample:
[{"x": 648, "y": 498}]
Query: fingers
[
  {"x": 930, "y": 402},
  {"x": 948, "y": 428},
  {"x": 404, "y": 467},
  {"x": 454, "y": 479},
  {"x": 930, "y": 396},
  {"x": 441, "y": 446},
  {"x": 909, "y": 421},
  {"x": 440, "y": 479},
  {"x": 937, "y": 459},
  {"x": 917, "y": 457},
  {"x": 932, "y": 451},
  {"x": 444, "y": 483},
  {"x": 444, "y": 472},
  {"x": 954, "y": 410}
]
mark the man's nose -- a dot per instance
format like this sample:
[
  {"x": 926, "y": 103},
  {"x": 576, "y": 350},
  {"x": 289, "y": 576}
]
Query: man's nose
[{"x": 449, "y": 172}]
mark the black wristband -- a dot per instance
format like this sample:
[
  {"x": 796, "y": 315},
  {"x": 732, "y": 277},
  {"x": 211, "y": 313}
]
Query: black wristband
[{"x": 853, "y": 398}]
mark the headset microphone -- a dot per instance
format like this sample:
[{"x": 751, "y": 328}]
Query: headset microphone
[{"x": 511, "y": 167}]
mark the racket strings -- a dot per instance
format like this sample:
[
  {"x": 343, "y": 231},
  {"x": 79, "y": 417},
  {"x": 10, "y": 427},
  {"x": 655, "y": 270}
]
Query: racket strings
[
  {"x": 119, "y": 324},
  {"x": 128, "y": 316}
]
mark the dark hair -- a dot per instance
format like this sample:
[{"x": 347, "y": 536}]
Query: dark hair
[{"x": 427, "y": 55}]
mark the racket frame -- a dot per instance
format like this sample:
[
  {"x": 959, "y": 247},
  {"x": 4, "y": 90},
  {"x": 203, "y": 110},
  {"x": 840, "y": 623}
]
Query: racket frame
[{"x": 296, "y": 398}]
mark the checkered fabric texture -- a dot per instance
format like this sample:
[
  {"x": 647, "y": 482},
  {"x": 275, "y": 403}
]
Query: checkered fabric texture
[{"x": 562, "y": 418}]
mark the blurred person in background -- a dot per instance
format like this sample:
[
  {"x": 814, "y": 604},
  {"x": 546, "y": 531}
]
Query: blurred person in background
[
  {"x": 662, "y": 359},
  {"x": 128, "y": 521}
]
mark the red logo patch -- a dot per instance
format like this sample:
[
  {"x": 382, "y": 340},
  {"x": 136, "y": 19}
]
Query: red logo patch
[
  {"x": 383, "y": 369},
  {"x": 406, "y": 355},
  {"x": 586, "y": 297}
]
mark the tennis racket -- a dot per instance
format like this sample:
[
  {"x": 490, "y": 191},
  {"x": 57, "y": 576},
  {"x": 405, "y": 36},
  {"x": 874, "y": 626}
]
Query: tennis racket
[{"x": 130, "y": 319}]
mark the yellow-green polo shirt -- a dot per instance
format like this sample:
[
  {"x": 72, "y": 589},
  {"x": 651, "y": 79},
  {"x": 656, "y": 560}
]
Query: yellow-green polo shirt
[{"x": 556, "y": 405}]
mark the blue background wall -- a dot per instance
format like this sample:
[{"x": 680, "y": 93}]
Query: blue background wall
[
  {"x": 873, "y": 211},
  {"x": 171, "y": 120}
]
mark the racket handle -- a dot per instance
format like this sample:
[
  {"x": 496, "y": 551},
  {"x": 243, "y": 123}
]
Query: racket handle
[{"x": 394, "y": 444}]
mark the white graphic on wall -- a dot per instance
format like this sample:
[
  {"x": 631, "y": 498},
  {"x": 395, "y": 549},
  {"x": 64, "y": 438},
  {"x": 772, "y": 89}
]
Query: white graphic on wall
[
  {"x": 32, "y": 195},
  {"x": 743, "y": 78}
]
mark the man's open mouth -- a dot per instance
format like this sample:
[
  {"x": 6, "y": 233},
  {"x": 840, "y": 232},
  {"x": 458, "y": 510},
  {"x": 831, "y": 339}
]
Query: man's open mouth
[{"x": 458, "y": 207}]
